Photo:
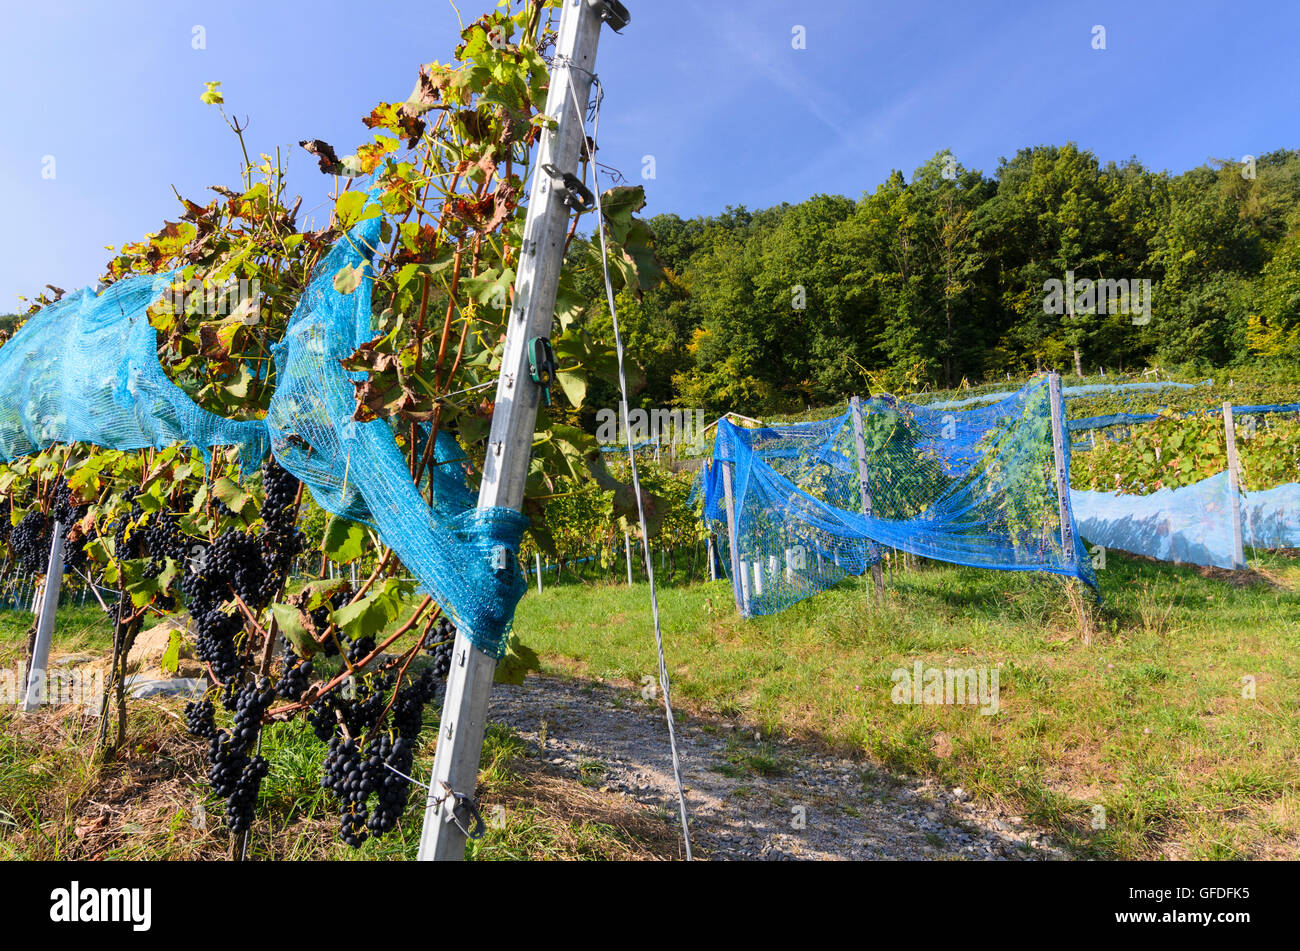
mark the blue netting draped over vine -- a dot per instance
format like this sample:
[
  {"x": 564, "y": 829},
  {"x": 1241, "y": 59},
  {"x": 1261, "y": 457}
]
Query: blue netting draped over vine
[
  {"x": 85, "y": 369},
  {"x": 973, "y": 487},
  {"x": 355, "y": 469}
]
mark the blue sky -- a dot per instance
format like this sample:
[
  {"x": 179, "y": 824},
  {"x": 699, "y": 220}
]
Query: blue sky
[{"x": 731, "y": 112}]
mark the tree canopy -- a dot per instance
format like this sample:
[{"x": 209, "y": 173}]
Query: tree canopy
[{"x": 943, "y": 277}]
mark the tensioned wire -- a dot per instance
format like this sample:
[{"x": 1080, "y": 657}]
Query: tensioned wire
[{"x": 627, "y": 435}]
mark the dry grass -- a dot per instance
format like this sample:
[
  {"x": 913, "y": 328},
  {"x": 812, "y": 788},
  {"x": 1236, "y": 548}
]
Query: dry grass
[
  {"x": 571, "y": 812},
  {"x": 152, "y": 802}
]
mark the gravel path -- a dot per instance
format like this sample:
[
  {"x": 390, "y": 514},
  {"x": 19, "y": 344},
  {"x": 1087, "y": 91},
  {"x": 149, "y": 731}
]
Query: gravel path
[{"x": 751, "y": 797}]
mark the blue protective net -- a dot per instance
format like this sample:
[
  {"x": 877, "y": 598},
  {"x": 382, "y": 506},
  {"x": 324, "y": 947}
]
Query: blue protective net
[
  {"x": 1073, "y": 392},
  {"x": 974, "y": 487},
  {"x": 85, "y": 369},
  {"x": 356, "y": 470},
  {"x": 1192, "y": 524},
  {"x": 1127, "y": 419}
]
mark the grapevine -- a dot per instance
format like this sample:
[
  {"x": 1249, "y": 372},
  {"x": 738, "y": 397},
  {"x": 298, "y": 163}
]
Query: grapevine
[{"x": 224, "y": 549}]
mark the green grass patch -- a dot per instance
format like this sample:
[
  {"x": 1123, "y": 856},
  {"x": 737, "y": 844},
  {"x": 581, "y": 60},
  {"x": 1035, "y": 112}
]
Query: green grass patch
[{"x": 1147, "y": 714}]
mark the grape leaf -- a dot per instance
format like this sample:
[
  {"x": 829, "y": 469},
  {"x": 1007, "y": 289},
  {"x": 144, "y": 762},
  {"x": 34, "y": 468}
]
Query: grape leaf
[
  {"x": 345, "y": 540},
  {"x": 289, "y": 620}
]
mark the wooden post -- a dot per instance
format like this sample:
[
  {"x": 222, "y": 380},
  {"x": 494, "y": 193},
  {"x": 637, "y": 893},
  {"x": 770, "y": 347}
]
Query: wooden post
[
  {"x": 738, "y": 582},
  {"x": 1234, "y": 487},
  {"x": 514, "y": 418},
  {"x": 713, "y": 564},
  {"x": 876, "y": 573},
  {"x": 36, "y": 684},
  {"x": 1058, "y": 456},
  {"x": 538, "y": 562}
]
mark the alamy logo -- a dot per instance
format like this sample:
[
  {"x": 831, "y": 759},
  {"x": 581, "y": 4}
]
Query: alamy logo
[
  {"x": 77, "y": 904},
  {"x": 936, "y": 686},
  {"x": 681, "y": 427},
  {"x": 1071, "y": 298},
  {"x": 83, "y": 688}
]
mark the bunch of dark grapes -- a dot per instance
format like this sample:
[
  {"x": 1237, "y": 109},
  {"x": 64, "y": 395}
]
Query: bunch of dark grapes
[
  {"x": 320, "y": 715},
  {"x": 281, "y": 540},
  {"x": 200, "y": 719},
  {"x": 281, "y": 490},
  {"x": 397, "y": 757},
  {"x": 361, "y": 713},
  {"x": 408, "y": 709},
  {"x": 217, "y": 642},
  {"x": 30, "y": 541},
  {"x": 359, "y": 648},
  {"x": 370, "y": 784},
  {"x": 296, "y": 676},
  {"x": 342, "y": 777},
  {"x": 164, "y": 539},
  {"x": 383, "y": 755},
  {"x": 127, "y": 542},
  {"x": 68, "y": 510},
  {"x": 441, "y": 641},
  {"x": 231, "y": 563},
  {"x": 250, "y": 565},
  {"x": 234, "y": 770}
]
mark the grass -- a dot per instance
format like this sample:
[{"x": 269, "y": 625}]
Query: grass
[
  {"x": 1146, "y": 712},
  {"x": 152, "y": 802}
]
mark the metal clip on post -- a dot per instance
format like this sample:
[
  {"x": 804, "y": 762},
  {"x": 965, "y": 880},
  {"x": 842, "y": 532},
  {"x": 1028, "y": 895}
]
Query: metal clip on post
[
  {"x": 612, "y": 13},
  {"x": 576, "y": 195},
  {"x": 463, "y": 809},
  {"x": 541, "y": 365}
]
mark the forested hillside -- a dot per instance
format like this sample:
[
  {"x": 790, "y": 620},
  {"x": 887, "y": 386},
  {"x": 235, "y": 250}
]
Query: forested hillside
[{"x": 940, "y": 278}]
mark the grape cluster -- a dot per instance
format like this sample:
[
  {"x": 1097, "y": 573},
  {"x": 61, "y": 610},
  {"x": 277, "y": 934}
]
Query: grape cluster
[
  {"x": 127, "y": 543},
  {"x": 250, "y": 565},
  {"x": 359, "y": 649},
  {"x": 441, "y": 641},
  {"x": 30, "y": 541},
  {"x": 296, "y": 676},
  {"x": 370, "y": 782},
  {"x": 356, "y": 710},
  {"x": 200, "y": 719},
  {"x": 392, "y": 790},
  {"x": 408, "y": 709},
  {"x": 218, "y": 639},
  {"x": 342, "y": 777},
  {"x": 68, "y": 510},
  {"x": 363, "y": 711},
  {"x": 235, "y": 771},
  {"x": 281, "y": 540}
]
